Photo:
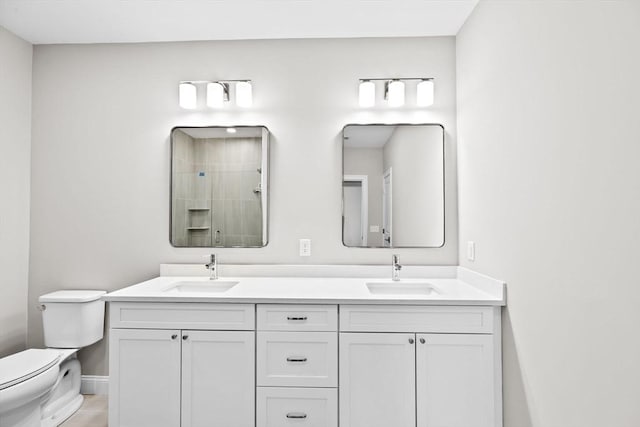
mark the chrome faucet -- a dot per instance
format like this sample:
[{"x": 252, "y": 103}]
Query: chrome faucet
[
  {"x": 395, "y": 268},
  {"x": 212, "y": 266}
]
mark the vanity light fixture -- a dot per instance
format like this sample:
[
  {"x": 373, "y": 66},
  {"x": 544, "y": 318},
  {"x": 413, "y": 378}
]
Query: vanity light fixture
[
  {"x": 367, "y": 93},
  {"x": 244, "y": 94},
  {"x": 394, "y": 91},
  {"x": 218, "y": 92},
  {"x": 425, "y": 93},
  {"x": 188, "y": 95}
]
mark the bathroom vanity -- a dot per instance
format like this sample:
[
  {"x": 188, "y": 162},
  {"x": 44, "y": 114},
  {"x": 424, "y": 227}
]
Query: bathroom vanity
[{"x": 312, "y": 351}]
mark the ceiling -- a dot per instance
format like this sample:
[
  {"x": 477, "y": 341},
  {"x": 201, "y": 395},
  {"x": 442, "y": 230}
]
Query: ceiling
[
  {"x": 125, "y": 21},
  {"x": 367, "y": 136}
]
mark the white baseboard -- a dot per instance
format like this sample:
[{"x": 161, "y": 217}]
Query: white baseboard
[{"x": 94, "y": 384}]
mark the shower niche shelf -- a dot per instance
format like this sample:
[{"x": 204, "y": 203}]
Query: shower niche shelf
[{"x": 199, "y": 222}]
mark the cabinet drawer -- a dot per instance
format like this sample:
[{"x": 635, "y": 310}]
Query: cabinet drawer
[
  {"x": 435, "y": 319},
  {"x": 276, "y": 317},
  {"x": 308, "y": 407},
  {"x": 297, "y": 359},
  {"x": 182, "y": 316}
]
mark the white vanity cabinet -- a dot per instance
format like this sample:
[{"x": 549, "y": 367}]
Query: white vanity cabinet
[
  {"x": 228, "y": 364},
  {"x": 395, "y": 372},
  {"x": 182, "y": 377}
]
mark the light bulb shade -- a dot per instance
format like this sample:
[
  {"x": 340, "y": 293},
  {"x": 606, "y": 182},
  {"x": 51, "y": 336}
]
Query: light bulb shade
[
  {"x": 244, "y": 94},
  {"x": 425, "y": 93},
  {"x": 188, "y": 96},
  {"x": 215, "y": 95},
  {"x": 367, "y": 94},
  {"x": 395, "y": 93}
]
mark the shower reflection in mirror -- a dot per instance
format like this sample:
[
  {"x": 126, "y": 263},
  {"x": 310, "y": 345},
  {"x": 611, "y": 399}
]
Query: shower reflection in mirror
[
  {"x": 393, "y": 185},
  {"x": 219, "y": 186}
]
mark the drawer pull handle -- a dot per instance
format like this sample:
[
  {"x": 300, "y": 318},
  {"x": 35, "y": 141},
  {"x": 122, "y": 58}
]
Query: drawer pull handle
[
  {"x": 296, "y": 359},
  {"x": 297, "y": 318},
  {"x": 174, "y": 336},
  {"x": 297, "y": 415}
]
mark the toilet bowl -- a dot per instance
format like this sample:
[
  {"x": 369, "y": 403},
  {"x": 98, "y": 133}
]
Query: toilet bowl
[{"x": 41, "y": 387}]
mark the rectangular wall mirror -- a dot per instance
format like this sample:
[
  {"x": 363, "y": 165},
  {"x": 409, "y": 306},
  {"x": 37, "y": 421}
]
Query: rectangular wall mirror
[
  {"x": 219, "y": 186},
  {"x": 393, "y": 186}
]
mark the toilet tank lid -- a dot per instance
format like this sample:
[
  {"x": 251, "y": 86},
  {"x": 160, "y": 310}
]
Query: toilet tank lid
[
  {"x": 19, "y": 367},
  {"x": 72, "y": 296}
]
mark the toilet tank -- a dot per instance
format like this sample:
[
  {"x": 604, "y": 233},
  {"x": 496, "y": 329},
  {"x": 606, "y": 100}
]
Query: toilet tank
[{"x": 72, "y": 319}]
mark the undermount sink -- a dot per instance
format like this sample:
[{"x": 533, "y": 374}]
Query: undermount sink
[
  {"x": 400, "y": 288},
  {"x": 214, "y": 286}
]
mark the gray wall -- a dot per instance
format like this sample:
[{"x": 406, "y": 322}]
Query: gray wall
[
  {"x": 15, "y": 151},
  {"x": 101, "y": 121},
  {"x": 414, "y": 156},
  {"x": 549, "y": 137}
]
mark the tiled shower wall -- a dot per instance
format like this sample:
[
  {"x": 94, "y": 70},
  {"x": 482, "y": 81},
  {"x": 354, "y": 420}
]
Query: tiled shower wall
[
  {"x": 217, "y": 184},
  {"x": 181, "y": 190}
]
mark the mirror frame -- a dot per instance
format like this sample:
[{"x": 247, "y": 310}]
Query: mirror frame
[
  {"x": 444, "y": 184},
  {"x": 266, "y": 189}
]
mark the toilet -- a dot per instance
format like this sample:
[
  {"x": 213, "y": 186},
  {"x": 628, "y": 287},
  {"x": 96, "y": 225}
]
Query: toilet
[{"x": 41, "y": 387}]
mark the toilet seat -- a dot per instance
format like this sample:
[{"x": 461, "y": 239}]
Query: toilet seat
[{"x": 20, "y": 367}]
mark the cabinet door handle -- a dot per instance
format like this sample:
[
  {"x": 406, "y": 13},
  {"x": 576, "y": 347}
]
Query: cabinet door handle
[
  {"x": 174, "y": 336},
  {"x": 296, "y": 359},
  {"x": 297, "y": 318},
  {"x": 422, "y": 341},
  {"x": 411, "y": 341},
  {"x": 297, "y": 415},
  {"x": 185, "y": 337}
]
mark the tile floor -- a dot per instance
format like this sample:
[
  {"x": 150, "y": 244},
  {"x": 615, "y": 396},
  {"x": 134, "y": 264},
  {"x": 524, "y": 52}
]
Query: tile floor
[{"x": 92, "y": 413}]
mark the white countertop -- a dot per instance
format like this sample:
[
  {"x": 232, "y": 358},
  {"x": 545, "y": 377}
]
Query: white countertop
[{"x": 463, "y": 287}]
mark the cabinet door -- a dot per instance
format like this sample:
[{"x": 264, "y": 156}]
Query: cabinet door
[
  {"x": 218, "y": 378},
  {"x": 377, "y": 380},
  {"x": 144, "y": 381},
  {"x": 455, "y": 384}
]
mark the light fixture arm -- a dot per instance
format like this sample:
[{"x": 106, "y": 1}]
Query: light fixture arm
[
  {"x": 215, "y": 81},
  {"x": 388, "y": 79}
]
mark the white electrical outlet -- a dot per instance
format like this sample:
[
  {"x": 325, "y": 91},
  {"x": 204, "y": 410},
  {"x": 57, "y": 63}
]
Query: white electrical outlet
[
  {"x": 305, "y": 247},
  {"x": 471, "y": 251}
]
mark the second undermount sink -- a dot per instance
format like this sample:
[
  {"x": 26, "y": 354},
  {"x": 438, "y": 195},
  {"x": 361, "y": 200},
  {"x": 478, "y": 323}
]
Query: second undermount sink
[
  {"x": 214, "y": 286},
  {"x": 401, "y": 288}
]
